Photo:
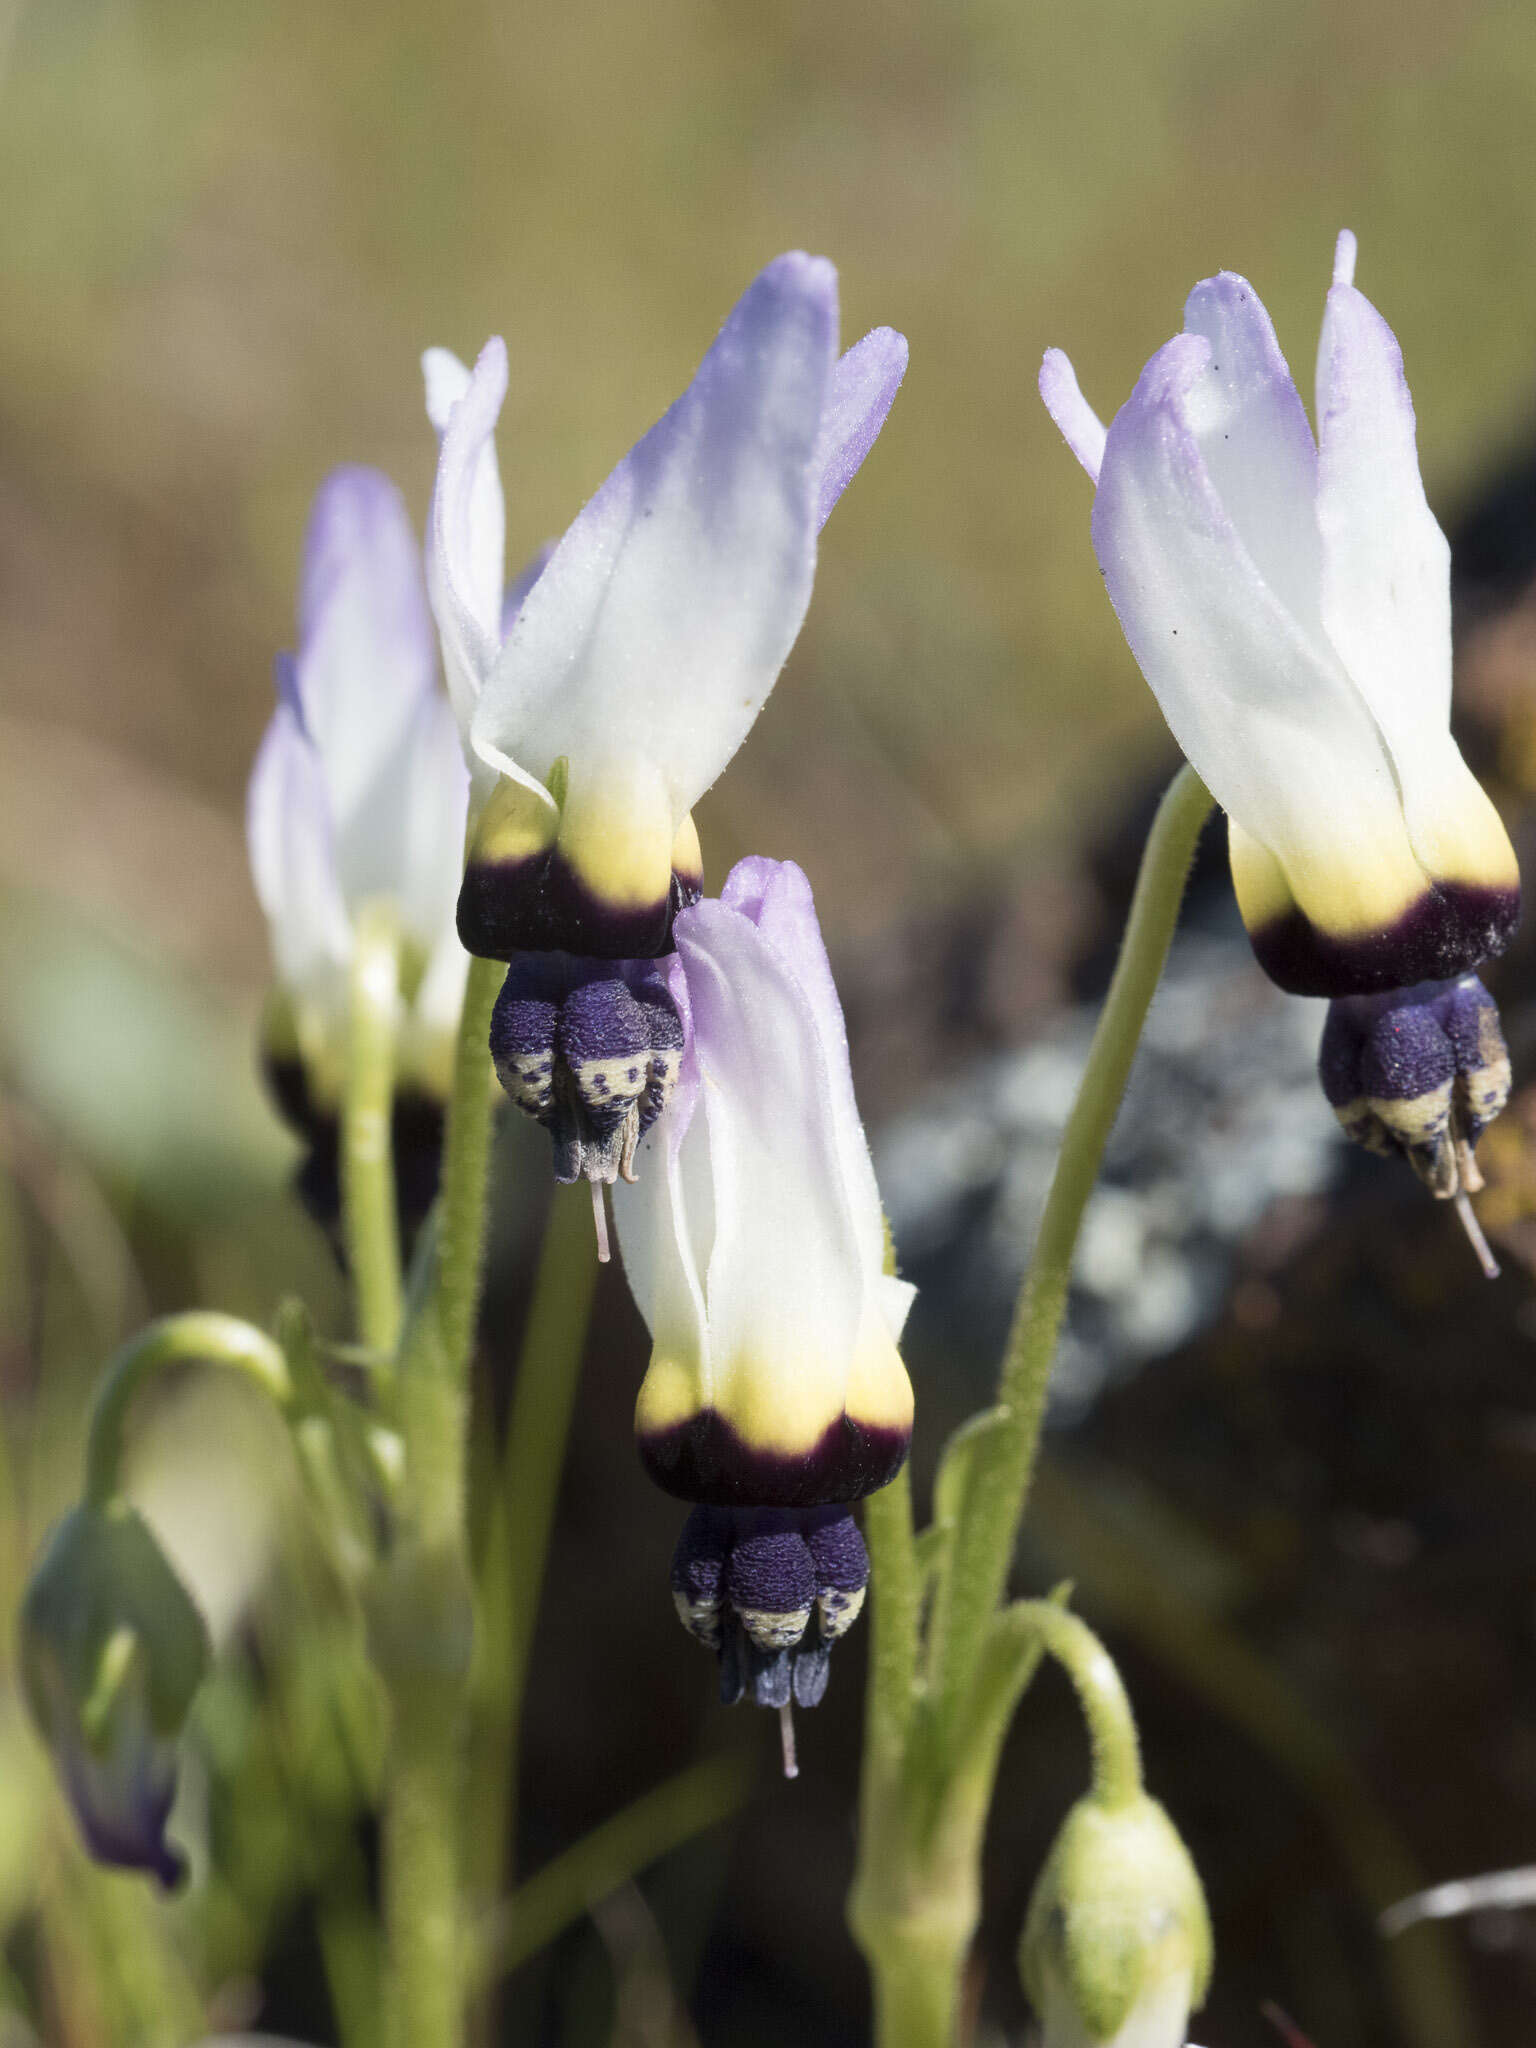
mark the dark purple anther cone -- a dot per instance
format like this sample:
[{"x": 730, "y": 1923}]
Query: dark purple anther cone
[
  {"x": 770, "y": 1590},
  {"x": 590, "y": 1049},
  {"x": 1422, "y": 1071}
]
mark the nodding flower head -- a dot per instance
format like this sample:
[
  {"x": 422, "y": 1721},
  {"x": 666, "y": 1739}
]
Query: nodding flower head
[
  {"x": 357, "y": 804},
  {"x": 604, "y": 693},
  {"x": 754, "y": 1242},
  {"x": 1288, "y": 599},
  {"x": 112, "y": 1651}
]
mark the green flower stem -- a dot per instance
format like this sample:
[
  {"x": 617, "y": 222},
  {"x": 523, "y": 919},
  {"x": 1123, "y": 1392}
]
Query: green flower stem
[
  {"x": 516, "y": 1540},
  {"x": 698, "y": 1798},
  {"x": 1003, "y": 1460},
  {"x": 367, "y": 1164},
  {"x": 422, "y": 1610},
  {"x": 1100, "y": 1692},
  {"x": 199, "y": 1337}
]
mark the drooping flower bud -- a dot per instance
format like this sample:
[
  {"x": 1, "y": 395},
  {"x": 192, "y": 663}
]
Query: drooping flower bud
[
  {"x": 1422, "y": 1071},
  {"x": 112, "y": 1651},
  {"x": 1117, "y": 1943},
  {"x": 770, "y": 1590},
  {"x": 590, "y": 1050}
]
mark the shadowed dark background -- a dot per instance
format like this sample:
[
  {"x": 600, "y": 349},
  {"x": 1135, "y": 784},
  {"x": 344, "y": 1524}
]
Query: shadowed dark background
[{"x": 1293, "y": 1477}]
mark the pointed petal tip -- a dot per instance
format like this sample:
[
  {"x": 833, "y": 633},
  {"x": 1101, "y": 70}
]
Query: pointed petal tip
[
  {"x": 1345, "y": 251},
  {"x": 1079, "y": 425},
  {"x": 795, "y": 270}
]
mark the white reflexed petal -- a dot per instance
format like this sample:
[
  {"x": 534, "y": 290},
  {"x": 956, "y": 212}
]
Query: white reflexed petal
[
  {"x": 288, "y": 827},
  {"x": 521, "y": 584},
  {"x": 365, "y": 656},
  {"x": 429, "y": 822},
  {"x": 1079, "y": 425},
  {"x": 667, "y": 610},
  {"x": 1251, "y": 427},
  {"x": 466, "y": 530},
  {"x": 1386, "y": 564},
  {"x": 665, "y": 1218},
  {"x": 776, "y": 896},
  {"x": 1270, "y": 721},
  {"x": 861, "y": 392},
  {"x": 784, "y": 1280}
]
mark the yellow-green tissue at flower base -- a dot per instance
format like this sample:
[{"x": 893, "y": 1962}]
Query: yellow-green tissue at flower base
[{"x": 1288, "y": 599}]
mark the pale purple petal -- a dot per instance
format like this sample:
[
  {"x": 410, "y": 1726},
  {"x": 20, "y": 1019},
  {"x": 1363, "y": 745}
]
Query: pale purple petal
[
  {"x": 665, "y": 1218},
  {"x": 776, "y": 897},
  {"x": 1268, "y": 718},
  {"x": 466, "y": 530},
  {"x": 785, "y": 1280},
  {"x": 365, "y": 656},
  {"x": 862, "y": 390},
  {"x": 293, "y": 859},
  {"x": 521, "y": 584},
  {"x": 1079, "y": 425},
  {"x": 1254, "y": 438},
  {"x": 666, "y": 612},
  {"x": 1386, "y": 564}
]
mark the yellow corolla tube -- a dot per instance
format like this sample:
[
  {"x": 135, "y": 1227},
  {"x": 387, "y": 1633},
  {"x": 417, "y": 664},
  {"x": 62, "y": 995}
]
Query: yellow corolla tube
[
  {"x": 1288, "y": 599},
  {"x": 753, "y": 1239},
  {"x": 603, "y": 694}
]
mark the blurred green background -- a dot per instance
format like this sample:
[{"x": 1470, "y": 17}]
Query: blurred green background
[{"x": 228, "y": 229}]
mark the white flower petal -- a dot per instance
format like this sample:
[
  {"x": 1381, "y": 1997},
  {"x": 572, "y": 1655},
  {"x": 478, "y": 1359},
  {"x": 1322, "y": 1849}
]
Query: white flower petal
[
  {"x": 1252, "y": 432},
  {"x": 293, "y": 861},
  {"x": 860, "y": 394},
  {"x": 1079, "y": 425},
  {"x": 1270, "y": 721},
  {"x": 466, "y": 533},
  {"x": 365, "y": 657},
  {"x": 666, "y": 612}
]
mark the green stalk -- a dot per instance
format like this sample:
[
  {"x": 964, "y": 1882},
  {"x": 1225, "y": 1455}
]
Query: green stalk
[
  {"x": 1003, "y": 1460},
  {"x": 200, "y": 1336},
  {"x": 367, "y": 1163},
  {"x": 422, "y": 1615},
  {"x": 932, "y": 1742},
  {"x": 1100, "y": 1692},
  {"x": 516, "y": 1542}
]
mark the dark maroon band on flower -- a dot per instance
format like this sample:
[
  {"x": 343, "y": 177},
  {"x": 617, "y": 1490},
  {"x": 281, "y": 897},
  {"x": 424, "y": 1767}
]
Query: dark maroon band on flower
[
  {"x": 1449, "y": 931},
  {"x": 540, "y": 905},
  {"x": 706, "y": 1460}
]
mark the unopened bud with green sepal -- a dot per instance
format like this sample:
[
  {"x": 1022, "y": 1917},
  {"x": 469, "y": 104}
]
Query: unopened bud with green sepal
[
  {"x": 112, "y": 1651},
  {"x": 1117, "y": 1944}
]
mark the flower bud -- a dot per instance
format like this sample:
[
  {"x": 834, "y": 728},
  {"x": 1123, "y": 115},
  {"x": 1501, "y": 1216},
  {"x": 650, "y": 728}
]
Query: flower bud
[
  {"x": 1117, "y": 1943},
  {"x": 112, "y": 1651},
  {"x": 1422, "y": 1071}
]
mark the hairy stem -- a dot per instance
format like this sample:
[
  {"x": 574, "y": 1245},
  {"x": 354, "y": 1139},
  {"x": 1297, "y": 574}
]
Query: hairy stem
[
  {"x": 999, "y": 1472},
  {"x": 422, "y": 1619}
]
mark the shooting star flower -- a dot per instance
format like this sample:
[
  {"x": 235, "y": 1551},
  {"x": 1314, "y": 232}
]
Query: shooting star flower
[{"x": 1288, "y": 600}]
